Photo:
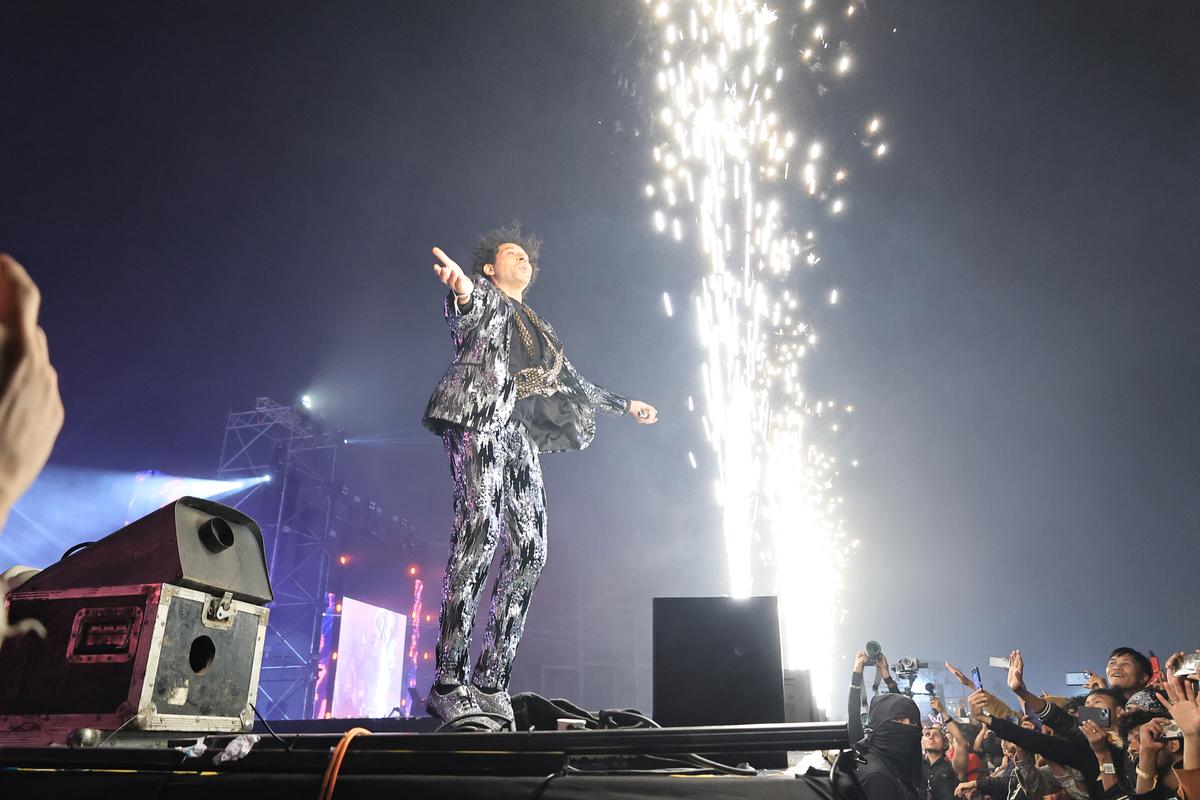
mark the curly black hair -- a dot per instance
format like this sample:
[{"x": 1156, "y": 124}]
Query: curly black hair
[{"x": 489, "y": 243}]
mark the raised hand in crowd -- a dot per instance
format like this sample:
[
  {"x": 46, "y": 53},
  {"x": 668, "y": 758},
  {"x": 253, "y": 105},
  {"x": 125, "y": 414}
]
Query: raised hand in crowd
[
  {"x": 881, "y": 664},
  {"x": 31, "y": 411},
  {"x": 965, "y": 790},
  {"x": 958, "y": 673},
  {"x": 1102, "y": 748},
  {"x": 1150, "y": 749},
  {"x": 962, "y": 748},
  {"x": 1183, "y": 704},
  {"x": 979, "y": 700}
]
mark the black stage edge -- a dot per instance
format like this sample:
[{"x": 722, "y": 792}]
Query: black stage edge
[
  {"x": 459, "y": 765},
  {"x": 167, "y": 786}
]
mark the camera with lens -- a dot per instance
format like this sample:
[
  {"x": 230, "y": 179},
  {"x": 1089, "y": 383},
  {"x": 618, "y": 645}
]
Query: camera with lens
[{"x": 909, "y": 667}]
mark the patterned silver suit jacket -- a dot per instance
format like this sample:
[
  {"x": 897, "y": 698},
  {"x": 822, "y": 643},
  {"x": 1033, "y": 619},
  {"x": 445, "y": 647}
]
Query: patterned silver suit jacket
[{"x": 478, "y": 393}]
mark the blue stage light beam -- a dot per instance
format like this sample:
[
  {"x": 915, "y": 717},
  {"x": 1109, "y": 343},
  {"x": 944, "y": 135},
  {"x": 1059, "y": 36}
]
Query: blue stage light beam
[{"x": 68, "y": 505}]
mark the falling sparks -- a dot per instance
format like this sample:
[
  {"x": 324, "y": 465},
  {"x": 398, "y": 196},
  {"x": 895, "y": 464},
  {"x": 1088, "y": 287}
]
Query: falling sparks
[{"x": 724, "y": 159}]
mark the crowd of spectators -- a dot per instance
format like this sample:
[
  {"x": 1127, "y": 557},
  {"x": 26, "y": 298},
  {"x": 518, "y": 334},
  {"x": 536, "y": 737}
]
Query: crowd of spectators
[{"x": 1134, "y": 733}]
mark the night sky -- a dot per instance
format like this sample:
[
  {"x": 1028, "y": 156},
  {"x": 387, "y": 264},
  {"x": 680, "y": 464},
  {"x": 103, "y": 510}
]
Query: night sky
[{"x": 222, "y": 201}]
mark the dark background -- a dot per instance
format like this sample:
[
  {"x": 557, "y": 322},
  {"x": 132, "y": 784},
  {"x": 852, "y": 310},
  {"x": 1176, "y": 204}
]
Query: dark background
[{"x": 223, "y": 201}]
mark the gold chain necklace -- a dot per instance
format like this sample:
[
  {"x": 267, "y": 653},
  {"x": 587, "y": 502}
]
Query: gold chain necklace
[{"x": 537, "y": 380}]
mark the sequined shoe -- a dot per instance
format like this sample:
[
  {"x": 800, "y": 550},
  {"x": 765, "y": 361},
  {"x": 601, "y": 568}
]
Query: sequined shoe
[
  {"x": 458, "y": 709},
  {"x": 497, "y": 703}
]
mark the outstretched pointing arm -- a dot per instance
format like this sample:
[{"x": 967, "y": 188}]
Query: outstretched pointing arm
[{"x": 462, "y": 312}]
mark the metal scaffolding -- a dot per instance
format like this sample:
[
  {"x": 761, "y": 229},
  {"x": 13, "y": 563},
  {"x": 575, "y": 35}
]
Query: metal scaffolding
[{"x": 294, "y": 510}]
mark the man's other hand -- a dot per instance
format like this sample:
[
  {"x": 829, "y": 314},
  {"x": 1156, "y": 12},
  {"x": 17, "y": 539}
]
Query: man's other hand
[{"x": 644, "y": 413}]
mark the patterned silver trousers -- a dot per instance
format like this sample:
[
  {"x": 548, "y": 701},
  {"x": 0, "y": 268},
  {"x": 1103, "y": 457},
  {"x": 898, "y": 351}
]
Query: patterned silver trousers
[{"x": 498, "y": 494}]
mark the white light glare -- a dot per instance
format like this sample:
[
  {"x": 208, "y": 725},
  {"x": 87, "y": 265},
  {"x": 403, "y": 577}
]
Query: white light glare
[{"x": 667, "y": 305}]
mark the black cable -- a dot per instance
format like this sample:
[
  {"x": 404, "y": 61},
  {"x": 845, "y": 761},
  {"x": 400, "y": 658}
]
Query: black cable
[
  {"x": 642, "y": 719},
  {"x": 746, "y": 771},
  {"x": 74, "y": 549},
  {"x": 287, "y": 746},
  {"x": 545, "y": 784},
  {"x": 692, "y": 758},
  {"x": 120, "y": 728},
  {"x": 648, "y": 771}
]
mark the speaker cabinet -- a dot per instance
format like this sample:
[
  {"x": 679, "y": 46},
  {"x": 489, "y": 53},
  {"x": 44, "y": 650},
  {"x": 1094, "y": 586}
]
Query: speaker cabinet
[{"x": 717, "y": 661}]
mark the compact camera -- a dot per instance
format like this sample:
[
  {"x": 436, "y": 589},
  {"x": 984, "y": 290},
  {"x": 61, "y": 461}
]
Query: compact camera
[
  {"x": 1187, "y": 667},
  {"x": 1170, "y": 730}
]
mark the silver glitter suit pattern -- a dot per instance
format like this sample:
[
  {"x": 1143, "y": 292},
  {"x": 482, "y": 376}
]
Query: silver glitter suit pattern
[{"x": 498, "y": 493}]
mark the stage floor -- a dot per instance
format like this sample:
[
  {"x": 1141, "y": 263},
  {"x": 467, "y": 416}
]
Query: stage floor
[
  {"x": 148, "y": 785},
  {"x": 626, "y": 763}
]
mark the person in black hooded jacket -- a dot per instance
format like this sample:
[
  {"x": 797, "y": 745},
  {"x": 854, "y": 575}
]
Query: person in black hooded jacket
[{"x": 891, "y": 752}]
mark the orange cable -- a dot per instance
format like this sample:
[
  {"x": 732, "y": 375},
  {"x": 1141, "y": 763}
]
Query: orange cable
[{"x": 335, "y": 761}]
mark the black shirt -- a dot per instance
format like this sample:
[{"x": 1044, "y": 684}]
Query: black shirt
[
  {"x": 938, "y": 780},
  {"x": 518, "y": 359}
]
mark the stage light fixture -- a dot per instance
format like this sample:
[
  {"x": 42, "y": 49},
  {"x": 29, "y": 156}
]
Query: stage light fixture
[
  {"x": 343, "y": 560},
  {"x": 412, "y": 570},
  {"x": 307, "y": 401}
]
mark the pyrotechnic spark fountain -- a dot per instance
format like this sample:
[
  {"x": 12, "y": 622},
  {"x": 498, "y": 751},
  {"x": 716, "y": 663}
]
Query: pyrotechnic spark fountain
[{"x": 725, "y": 161}]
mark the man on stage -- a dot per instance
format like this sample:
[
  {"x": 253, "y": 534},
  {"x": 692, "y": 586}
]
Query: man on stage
[{"x": 509, "y": 395}]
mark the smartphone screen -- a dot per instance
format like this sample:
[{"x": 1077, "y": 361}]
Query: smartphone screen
[
  {"x": 978, "y": 681},
  {"x": 1077, "y": 678}
]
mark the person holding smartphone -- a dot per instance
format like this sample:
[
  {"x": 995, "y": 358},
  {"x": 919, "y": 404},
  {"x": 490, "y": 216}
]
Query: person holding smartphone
[{"x": 1091, "y": 746}]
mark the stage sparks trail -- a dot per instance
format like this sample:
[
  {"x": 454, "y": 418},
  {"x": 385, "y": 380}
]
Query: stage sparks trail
[{"x": 736, "y": 182}]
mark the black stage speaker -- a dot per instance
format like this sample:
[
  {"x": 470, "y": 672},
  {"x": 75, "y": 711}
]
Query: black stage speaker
[{"x": 717, "y": 661}]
